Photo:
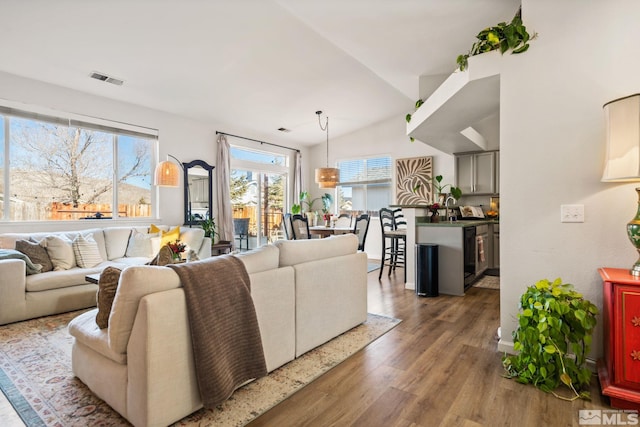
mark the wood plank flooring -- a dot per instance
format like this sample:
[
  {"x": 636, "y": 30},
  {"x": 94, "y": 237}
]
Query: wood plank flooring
[{"x": 439, "y": 367}]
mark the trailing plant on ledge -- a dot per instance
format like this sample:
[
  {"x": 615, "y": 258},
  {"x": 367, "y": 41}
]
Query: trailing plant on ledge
[
  {"x": 553, "y": 339},
  {"x": 512, "y": 36},
  {"x": 419, "y": 102}
]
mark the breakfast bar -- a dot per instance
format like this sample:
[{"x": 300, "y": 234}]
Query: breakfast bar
[{"x": 463, "y": 248}]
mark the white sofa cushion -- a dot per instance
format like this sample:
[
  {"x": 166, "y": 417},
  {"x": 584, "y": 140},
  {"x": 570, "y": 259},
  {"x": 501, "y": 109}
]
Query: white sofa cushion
[
  {"x": 135, "y": 282},
  {"x": 260, "y": 259},
  {"x": 116, "y": 240},
  {"x": 58, "y": 279},
  {"x": 143, "y": 244},
  {"x": 86, "y": 331},
  {"x": 294, "y": 252}
]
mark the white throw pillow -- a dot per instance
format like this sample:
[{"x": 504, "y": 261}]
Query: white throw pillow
[
  {"x": 143, "y": 245},
  {"x": 60, "y": 252},
  {"x": 86, "y": 251}
]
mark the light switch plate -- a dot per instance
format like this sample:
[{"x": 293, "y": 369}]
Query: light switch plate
[{"x": 571, "y": 213}]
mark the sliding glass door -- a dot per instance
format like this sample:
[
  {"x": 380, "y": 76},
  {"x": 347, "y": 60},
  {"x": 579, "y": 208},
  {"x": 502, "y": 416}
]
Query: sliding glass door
[{"x": 258, "y": 196}]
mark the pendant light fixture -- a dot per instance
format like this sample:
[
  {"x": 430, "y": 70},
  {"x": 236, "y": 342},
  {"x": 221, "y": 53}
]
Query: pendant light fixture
[
  {"x": 167, "y": 173},
  {"x": 326, "y": 177}
]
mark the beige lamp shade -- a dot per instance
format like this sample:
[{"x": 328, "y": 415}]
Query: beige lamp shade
[
  {"x": 167, "y": 174},
  {"x": 622, "y": 121},
  {"x": 327, "y": 177}
]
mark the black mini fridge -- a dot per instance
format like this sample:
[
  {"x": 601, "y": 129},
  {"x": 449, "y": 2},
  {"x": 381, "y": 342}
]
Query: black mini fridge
[{"x": 427, "y": 270}]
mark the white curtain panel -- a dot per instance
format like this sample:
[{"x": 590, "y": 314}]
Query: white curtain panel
[
  {"x": 223, "y": 178},
  {"x": 298, "y": 184}
]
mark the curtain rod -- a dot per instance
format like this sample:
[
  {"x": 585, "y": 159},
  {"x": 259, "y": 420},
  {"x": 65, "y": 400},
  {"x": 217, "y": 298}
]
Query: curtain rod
[{"x": 255, "y": 140}]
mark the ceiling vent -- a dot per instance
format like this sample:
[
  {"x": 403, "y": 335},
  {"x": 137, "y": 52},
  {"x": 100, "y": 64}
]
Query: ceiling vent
[
  {"x": 105, "y": 78},
  {"x": 284, "y": 130}
]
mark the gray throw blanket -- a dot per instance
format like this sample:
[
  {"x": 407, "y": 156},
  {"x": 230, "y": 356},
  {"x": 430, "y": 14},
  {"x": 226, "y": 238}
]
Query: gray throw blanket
[
  {"x": 13, "y": 254},
  {"x": 227, "y": 347}
]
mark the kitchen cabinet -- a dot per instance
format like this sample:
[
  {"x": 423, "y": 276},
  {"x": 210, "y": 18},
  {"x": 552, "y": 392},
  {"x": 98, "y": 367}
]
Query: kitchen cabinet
[
  {"x": 619, "y": 369},
  {"x": 476, "y": 172}
]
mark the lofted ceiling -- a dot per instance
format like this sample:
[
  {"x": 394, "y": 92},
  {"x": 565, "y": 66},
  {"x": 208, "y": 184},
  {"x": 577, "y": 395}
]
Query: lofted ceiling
[{"x": 255, "y": 65}]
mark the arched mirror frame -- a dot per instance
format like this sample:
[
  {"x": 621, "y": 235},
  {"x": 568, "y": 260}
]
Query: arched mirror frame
[{"x": 188, "y": 220}]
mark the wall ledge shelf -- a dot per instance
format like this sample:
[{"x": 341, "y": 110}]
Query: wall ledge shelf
[{"x": 461, "y": 101}]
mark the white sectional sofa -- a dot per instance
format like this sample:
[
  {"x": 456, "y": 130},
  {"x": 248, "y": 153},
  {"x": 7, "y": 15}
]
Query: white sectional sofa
[
  {"x": 28, "y": 296},
  {"x": 304, "y": 293}
]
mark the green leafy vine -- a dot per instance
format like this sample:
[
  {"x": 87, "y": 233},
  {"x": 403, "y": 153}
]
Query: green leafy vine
[
  {"x": 512, "y": 36},
  {"x": 553, "y": 339}
]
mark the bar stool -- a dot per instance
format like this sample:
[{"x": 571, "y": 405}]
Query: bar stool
[{"x": 393, "y": 251}]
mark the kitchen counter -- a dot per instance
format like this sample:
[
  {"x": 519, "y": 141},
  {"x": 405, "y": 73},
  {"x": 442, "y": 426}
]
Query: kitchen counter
[
  {"x": 450, "y": 236},
  {"x": 424, "y": 222}
]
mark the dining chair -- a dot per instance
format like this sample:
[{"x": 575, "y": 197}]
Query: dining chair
[
  {"x": 300, "y": 227},
  {"x": 344, "y": 220},
  {"x": 360, "y": 229},
  {"x": 286, "y": 225},
  {"x": 393, "y": 243},
  {"x": 241, "y": 230}
]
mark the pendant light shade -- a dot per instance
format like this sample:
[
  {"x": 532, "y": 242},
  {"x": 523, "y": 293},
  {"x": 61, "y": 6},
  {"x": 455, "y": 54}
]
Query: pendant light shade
[
  {"x": 326, "y": 177},
  {"x": 167, "y": 174}
]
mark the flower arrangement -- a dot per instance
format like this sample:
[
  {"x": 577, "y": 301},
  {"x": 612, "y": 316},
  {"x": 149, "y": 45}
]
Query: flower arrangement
[
  {"x": 434, "y": 208},
  {"x": 177, "y": 249}
]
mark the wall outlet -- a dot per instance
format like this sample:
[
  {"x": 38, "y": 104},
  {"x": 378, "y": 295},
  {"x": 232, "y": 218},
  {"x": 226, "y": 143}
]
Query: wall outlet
[{"x": 571, "y": 213}]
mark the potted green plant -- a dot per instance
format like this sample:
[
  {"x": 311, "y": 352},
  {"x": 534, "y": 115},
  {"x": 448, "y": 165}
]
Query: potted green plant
[
  {"x": 553, "y": 339},
  {"x": 456, "y": 192},
  {"x": 512, "y": 36},
  {"x": 209, "y": 227}
]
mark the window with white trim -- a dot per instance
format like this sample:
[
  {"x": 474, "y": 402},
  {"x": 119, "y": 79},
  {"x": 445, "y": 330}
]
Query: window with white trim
[
  {"x": 365, "y": 185},
  {"x": 73, "y": 168}
]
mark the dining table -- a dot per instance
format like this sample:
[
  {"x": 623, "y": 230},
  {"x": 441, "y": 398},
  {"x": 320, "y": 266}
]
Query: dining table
[{"x": 324, "y": 231}]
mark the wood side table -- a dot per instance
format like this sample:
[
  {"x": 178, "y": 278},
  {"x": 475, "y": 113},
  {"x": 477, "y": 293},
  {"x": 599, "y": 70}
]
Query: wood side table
[
  {"x": 619, "y": 370},
  {"x": 220, "y": 248}
]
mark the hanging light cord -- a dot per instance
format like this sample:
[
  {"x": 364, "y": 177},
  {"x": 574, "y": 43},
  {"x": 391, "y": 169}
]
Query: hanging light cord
[{"x": 325, "y": 128}]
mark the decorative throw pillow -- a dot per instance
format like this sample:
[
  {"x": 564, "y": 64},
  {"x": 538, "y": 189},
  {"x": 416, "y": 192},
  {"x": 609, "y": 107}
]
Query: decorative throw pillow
[
  {"x": 36, "y": 253},
  {"x": 164, "y": 257},
  {"x": 107, "y": 287},
  {"x": 60, "y": 250},
  {"x": 141, "y": 245},
  {"x": 85, "y": 248},
  {"x": 166, "y": 236}
]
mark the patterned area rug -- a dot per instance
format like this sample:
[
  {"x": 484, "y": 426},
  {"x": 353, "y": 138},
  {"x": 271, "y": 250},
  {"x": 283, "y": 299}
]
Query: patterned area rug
[
  {"x": 372, "y": 266},
  {"x": 488, "y": 282},
  {"x": 36, "y": 377}
]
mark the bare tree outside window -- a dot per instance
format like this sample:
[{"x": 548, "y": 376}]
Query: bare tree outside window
[{"x": 61, "y": 172}]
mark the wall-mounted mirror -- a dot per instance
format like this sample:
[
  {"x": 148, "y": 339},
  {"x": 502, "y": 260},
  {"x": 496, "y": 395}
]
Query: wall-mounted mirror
[{"x": 197, "y": 192}]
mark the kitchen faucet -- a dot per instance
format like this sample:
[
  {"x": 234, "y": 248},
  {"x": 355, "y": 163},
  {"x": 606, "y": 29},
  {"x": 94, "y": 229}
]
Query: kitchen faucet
[{"x": 446, "y": 207}]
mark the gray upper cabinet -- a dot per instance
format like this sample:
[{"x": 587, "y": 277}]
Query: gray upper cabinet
[{"x": 476, "y": 173}]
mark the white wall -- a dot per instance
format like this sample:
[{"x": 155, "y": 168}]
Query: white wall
[
  {"x": 552, "y": 149},
  {"x": 181, "y": 137},
  {"x": 386, "y": 138}
]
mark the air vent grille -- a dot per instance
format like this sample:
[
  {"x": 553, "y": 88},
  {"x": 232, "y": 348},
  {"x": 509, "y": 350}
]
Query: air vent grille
[
  {"x": 105, "y": 78},
  {"x": 284, "y": 130}
]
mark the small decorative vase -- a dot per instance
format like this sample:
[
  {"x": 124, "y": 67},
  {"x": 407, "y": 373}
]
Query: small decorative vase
[
  {"x": 177, "y": 257},
  {"x": 435, "y": 218},
  {"x": 633, "y": 231}
]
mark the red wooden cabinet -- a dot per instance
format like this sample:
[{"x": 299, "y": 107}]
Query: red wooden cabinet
[{"x": 619, "y": 370}]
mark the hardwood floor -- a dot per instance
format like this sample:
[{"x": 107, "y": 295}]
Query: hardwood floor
[{"x": 439, "y": 367}]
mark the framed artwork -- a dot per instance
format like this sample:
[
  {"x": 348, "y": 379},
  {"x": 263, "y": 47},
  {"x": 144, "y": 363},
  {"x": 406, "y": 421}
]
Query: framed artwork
[{"x": 413, "y": 181}]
